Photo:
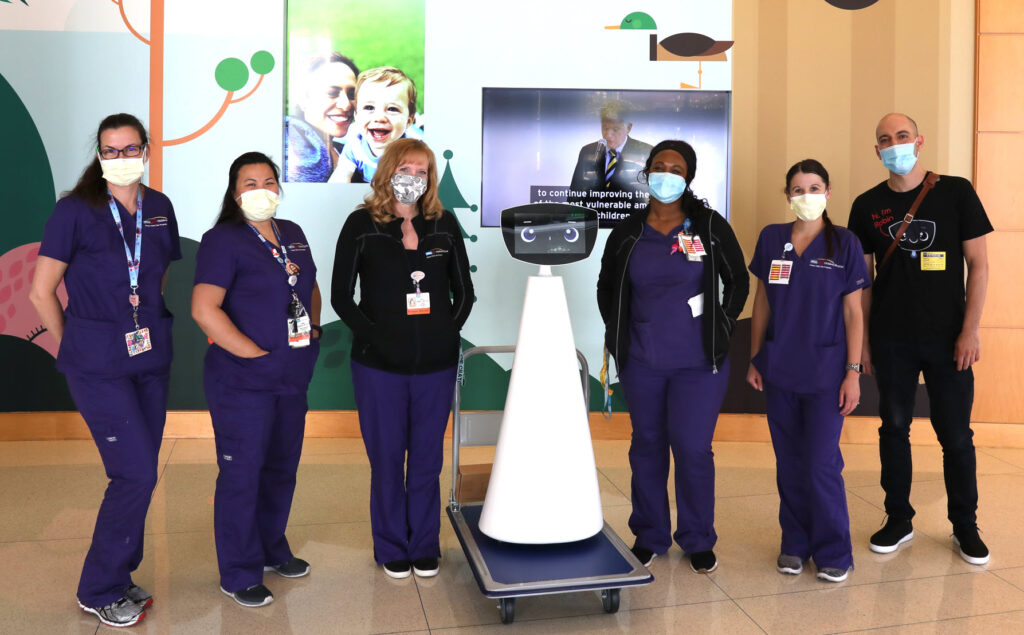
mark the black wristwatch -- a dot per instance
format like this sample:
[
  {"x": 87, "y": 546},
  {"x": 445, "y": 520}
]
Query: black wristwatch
[
  {"x": 857, "y": 367},
  {"x": 319, "y": 331}
]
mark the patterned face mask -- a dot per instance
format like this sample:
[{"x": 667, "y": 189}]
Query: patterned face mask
[{"x": 408, "y": 188}]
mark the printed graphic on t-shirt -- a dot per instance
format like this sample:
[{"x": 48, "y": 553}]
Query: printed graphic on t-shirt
[{"x": 919, "y": 236}]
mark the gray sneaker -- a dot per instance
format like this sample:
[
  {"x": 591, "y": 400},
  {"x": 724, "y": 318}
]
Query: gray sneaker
[
  {"x": 832, "y": 574},
  {"x": 791, "y": 565},
  {"x": 123, "y": 612},
  {"x": 140, "y": 596}
]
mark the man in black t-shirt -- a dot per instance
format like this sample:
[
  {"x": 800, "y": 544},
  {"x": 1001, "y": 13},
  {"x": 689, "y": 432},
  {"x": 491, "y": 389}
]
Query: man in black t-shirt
[{"x": 919, "y": 318}]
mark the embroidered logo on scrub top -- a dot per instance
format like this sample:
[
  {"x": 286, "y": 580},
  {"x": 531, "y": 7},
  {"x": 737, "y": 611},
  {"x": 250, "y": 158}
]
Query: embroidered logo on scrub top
[
  {"x": 437, "y": 251},
  {"x": 156, "y": 221},
  {"x": 825, "y": 263},
  {"x": 298, "y": 247}
]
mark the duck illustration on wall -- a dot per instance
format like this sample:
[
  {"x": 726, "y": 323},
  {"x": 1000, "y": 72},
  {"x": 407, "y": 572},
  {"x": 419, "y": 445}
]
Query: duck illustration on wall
[{"x": 679, "y": 47}]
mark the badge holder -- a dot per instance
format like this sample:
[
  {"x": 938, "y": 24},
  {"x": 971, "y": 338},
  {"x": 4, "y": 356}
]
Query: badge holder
[
  {"x": 300, "y": 328},
  {"x": 781, "y": 269},
  {"x": 417, "y": 303},
  {"x": 137, "y": 341}
]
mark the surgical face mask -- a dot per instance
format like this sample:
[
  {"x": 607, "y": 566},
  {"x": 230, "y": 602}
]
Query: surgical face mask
[
  {"x": 122, "y": 171},
  {"x": 808, "y": 207},
  {"x": 665, "y": 186},
  {"x": 258, "y": 205},
  {"x": 408, "y": 188},
  {"x": 899, "y": 159}
]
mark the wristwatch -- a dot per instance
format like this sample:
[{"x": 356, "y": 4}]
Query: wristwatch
[{"x": 857, "y": 367}]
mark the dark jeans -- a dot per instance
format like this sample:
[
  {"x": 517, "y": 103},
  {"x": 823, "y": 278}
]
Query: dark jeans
[{"x": 950, "y": 395}]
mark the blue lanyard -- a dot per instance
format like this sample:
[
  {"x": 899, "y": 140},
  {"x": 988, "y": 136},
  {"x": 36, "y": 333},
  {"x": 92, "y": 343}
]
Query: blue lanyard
[
  {"x": 282, "y": 257},
  {"x": 133, "y": 262}
]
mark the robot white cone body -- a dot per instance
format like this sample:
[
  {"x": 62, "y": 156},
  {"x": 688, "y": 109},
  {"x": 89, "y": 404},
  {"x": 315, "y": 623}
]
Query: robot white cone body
[{"x": 543, "y": 487}]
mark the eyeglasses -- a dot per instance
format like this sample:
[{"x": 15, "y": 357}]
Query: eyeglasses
[{"x": 128, "y": 151}]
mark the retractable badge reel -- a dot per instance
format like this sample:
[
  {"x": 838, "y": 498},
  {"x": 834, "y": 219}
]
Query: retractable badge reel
[
  {"x": 417, "y": 303},
  {"x": 300, "y": 327}
]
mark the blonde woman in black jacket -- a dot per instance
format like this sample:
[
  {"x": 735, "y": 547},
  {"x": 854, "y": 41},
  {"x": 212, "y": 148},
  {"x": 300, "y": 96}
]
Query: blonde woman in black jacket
[{"x": 662, "y": 274}]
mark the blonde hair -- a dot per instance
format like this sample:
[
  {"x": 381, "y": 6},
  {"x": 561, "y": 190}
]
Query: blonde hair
[
  {"x": 391, "y": 76},
  {"x": 381, "y": 200}
]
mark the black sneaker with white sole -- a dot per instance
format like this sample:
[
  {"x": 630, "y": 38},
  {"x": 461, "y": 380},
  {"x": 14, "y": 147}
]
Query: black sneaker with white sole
[
  {"x": 254, "y": 596},
  {"x": 425, "y": 567},
  {"x": 643, "y": 554},
  {"x": 294, "y": 568},
  {"x": 972, "y": 548},
  {"x": 398, "y": 569},
  {"x": 889, "y": 538},
  {"x": 121, "y": 613},
  {"x": 703, "y": 561}
]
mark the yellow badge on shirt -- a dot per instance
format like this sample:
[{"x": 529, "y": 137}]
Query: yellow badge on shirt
[{"x": 933, "y": 261}]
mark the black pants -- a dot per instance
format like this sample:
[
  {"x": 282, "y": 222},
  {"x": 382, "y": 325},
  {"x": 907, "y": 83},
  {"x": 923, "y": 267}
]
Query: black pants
[{"x": 950, "y": 395}]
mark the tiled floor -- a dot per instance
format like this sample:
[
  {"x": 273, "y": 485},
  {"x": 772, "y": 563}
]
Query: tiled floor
[{"x": 49, "y": 492}]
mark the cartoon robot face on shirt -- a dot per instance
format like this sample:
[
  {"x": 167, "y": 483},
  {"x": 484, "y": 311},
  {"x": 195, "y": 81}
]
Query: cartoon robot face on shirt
[{"x": 919, "y": 236}]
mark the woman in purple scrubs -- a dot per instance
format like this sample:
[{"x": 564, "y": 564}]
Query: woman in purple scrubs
[
  {"x": 414, "y": 296},
  {"x": 257, "y": 300},
  {"x": 111, "y": 240},
  {"x": 807, "y": 316},
  {"x": 671, "y": 287}
]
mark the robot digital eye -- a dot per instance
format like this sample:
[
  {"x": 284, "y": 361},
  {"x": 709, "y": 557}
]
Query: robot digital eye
[
  {"x": 528, "y": 235},
  {"x": 571, "y": 234}
]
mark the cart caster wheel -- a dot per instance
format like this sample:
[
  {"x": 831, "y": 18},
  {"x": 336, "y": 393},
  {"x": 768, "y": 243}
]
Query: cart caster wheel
[
  {"x": 507, "y": 609},
  {"x": 610, "y": 599}
]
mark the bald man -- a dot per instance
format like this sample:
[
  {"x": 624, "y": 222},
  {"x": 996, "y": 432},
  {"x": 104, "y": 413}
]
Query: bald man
[{"x": 919, "y": 318}]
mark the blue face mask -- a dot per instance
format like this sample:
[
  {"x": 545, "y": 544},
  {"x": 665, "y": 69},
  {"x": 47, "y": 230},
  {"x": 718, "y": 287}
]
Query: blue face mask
[
  {"x": 666, "y": 187},
  {"x": 899, "y": 159}
]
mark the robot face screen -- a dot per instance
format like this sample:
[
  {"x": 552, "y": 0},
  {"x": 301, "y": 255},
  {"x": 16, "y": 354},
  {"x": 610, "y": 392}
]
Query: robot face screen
[{"x": 549, "y": 233}]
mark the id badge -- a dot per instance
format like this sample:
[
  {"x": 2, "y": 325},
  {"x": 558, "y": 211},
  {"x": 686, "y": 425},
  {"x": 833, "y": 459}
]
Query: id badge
[
  {"x": 933, "y": 261},
  {"x": 779, "y": 273},
  {"x": 417, "y": 303},
  {"x": 300, "y": 332},
  {"x": 138, "y": 342}
]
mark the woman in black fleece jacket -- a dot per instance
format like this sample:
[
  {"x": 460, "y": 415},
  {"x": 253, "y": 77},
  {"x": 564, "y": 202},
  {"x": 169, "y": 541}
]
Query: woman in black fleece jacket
[
  {"x": 673, "y": 282},
  {"x": 415, "y": 294}
]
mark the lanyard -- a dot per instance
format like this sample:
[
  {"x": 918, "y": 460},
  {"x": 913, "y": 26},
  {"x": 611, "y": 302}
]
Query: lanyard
[
  {"x": 282, "y": 257},
  {"x": 133, "y": 262}
]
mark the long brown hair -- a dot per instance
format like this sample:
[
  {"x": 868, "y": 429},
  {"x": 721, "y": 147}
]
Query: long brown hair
[
  {"x": 381, "y": 199},
  {"x": 91, "y": 186},
  {"x": 813, "y": 166}
]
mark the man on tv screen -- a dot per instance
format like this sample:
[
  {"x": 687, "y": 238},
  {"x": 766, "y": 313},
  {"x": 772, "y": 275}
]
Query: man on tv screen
[{"x": 606, "y": 172}]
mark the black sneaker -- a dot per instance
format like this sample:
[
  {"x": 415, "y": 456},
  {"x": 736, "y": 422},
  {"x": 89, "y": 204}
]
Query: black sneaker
[
  {"x": 703, "y": 562},
  {"x": 398, "y": 569},
  {"x": 643, "y": 554},
  {"x": 972, "y": 548},
  {"x": 140, "y": 596},
  {"x": 123, "y": 612},
  {"x": 294, "y": 568},
  {"x": 256, "y": 595},
  {"x": 425, "y": 567},
  {"x": 889, "y": 538}
]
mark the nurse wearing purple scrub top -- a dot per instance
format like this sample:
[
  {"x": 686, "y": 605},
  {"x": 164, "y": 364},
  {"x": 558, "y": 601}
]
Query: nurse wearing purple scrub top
[
  {"x": 667, "y": 324},
  {"x": 111, "y": 240},
  {"x": 257, "y": 300},
  {"x": 807, "y": 316}
]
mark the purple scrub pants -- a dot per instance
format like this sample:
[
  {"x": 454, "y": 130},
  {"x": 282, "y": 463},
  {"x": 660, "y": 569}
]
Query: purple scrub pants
[
  {"x": 813, "y": 515},
  {"x": 677, "y": 410},
  {"x": 402, "y": 419},
  {"x": 259, "y": 441},
  {"x": 126, "y": 418}
]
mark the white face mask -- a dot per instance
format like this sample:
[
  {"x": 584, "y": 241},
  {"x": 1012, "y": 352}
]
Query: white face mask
[
  {"x": 123, "y": 171},
  {"x": 258, "y": 205},
  {"x": 808, "y": 207}
]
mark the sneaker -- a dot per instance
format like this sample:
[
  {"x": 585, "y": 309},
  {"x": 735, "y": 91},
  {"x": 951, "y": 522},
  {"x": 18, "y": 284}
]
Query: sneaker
[
  {"x": 425, "y": 567},
  {"x": 398, "y": 569},
  {"x": 256, "y": 595},
  {"x": 294, "y": 568},
  {"x": 831, "y": 574},
  {"x": 972, "y": 549},
  {"x": 792, "y": 565},
  {"x": 123, "y": 612},
  {"x": 892, "y": 535},
  {"x": 140, "y": 596},
  {"x": 643, "y": 554},
  {"x": 703, "y": 561}
]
